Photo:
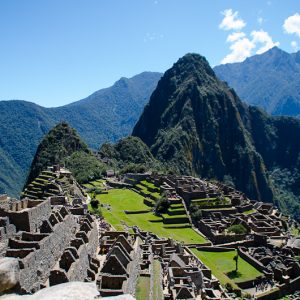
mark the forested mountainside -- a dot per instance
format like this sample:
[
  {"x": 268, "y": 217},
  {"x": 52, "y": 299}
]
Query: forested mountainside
[
  {"x": 270, "y": 80},
  {"x": 106, "y": 115},
  {"x": 199, "y": 126}
]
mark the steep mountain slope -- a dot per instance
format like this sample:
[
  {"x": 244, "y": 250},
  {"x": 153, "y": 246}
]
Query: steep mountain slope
[
  {"x": 129, "y": 154},
  {"x": 270, "y": 80},
  {"x": 62, "y": 145},
  {"x": 198, "y": 125},
  {"x": 106, "y": 115}
]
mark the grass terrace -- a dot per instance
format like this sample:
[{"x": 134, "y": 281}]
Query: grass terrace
[
  {"x": 149, "y": 184},
  {"x": 146, "y": 192},
  {"x": 157, "y": 288},
  {"x": 142, "y": 288},
  {"x": 119, "y": 200},
  {"x": 249, "y": 212},
  {"x": 222, "y": 266}
]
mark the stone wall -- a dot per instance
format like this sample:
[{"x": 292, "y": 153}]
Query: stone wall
[
  {"x": 76, "y": 263},
  {"x": 28, "y": 215},
  {"x": 35, "y": 266}
]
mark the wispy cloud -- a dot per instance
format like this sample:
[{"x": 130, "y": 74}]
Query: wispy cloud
[
  {"x": 294, "y": 45},
  {"x": 231, "y": 21},
  {"x": 240, "y": 50},
  {"x": 243, "y": 46},
  {"x": 150, "y": 37},
  {"x": 291, "y": 25},
  {"x": 235, "y": 36}
]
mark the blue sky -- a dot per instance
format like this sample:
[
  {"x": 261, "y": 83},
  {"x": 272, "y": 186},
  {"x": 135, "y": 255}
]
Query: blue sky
[{"x": 54, "y": 52}]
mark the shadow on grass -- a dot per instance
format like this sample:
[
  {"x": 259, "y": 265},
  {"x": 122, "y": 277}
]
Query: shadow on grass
[{"x": 234, "y": 274}]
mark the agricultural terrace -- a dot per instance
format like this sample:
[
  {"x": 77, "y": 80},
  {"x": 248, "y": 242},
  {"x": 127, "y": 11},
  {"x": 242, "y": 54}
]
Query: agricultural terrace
[
  {"x": 116, "y": 201},
  {"x": 142, "y": 288},
  {"x": 222, "y": 266}
]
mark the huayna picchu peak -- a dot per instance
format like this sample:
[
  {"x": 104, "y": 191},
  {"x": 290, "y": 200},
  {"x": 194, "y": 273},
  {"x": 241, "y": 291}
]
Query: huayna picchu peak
[{"x": 198, "y": 125}]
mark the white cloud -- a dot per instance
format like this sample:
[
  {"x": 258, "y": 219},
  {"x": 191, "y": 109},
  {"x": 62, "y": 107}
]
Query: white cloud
[
  {"x": 235, "y": 36},
  {"x": 150, "y": 37},
  {"x": 294, "y": 45},
  {"x": 242, "y": 47},
  {"x": 260, "y": 20},
  {"x": 240, "y": 50},
  {"x": 292, "y": 24},
  {"x": 263, "y": 37},
  {"x": 231, "y": 20}
]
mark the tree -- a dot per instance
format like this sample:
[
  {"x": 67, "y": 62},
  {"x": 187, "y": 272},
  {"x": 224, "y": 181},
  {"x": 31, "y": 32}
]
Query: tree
[
  {"x": 162, "y": 206},
  {"x": 236, "y": 259},
  {"x": 94, "y": 203},
  {"x": 237, "y": 229}
]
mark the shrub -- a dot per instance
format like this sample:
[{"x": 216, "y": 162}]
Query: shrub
[
  {"x": 237, "y": 229},
  {"x": 162, "y": 206},
  {"x": 94, "y": 203},
  {"x": 229, "y": 287}
]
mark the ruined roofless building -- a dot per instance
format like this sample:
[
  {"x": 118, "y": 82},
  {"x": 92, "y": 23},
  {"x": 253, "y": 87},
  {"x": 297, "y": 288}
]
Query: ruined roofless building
[{"x": 48, "y": 244}]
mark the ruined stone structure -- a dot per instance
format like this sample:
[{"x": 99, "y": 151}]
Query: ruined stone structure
[
  {"x": 49, "y": 242},
  {"x": 120, "y": 268},
  {"x": 55, "y": 182}
]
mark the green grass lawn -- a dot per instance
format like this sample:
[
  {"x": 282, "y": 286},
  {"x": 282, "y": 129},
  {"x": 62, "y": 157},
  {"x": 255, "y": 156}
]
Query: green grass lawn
[
  {"x": 123, "y": 199},
  {"x": 146, "y": 191},
  {"x": 142, "y": 288},
  {"x": 295, "y": 232},
  {"x": 222, "y": 266},
  {"x": 157, "y": 289},
  {"x": 248, "y": 212},
  {"x": 96, "y": 183},
  {"x": 148, "y": 184}
]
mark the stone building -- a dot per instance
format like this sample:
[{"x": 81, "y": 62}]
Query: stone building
[{"x": 50, "y": 243}]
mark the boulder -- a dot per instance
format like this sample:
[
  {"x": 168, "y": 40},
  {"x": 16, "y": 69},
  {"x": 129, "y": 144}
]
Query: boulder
[{"x": 9, "y": 273}]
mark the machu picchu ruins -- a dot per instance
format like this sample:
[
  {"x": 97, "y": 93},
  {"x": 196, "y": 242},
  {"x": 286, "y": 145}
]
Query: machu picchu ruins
[{"x": 54, "y": 235}]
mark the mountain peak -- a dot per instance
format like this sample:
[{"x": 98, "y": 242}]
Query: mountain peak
[
  {"x": 193, "y": 63},
  {"x": 61, "y": 141},
  {"x": 269, "y": 80},
  {"x": 193, "y": 123}
]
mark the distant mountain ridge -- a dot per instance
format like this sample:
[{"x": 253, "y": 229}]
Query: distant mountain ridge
[
  {"x": 198, "y": 125},
  {"x": 270, "y": 80},
  {"x": 106, "y": 115}
]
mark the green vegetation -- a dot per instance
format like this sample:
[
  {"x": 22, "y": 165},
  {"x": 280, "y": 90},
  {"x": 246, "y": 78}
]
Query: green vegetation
[
  {"x": 183, "y": 125},
  {"x": 223, "y": 266},
  {"x": 287, "y": 191},
  {"x": 142, "y": 288},
  {"x": 62, "y": 145},
  {"x": 162, "y": 206},
  {"x": 129, "y": 155},
  {"x": 85, "y": 167},
  {"x": 96, "y": 210},
  {"x": 145, "y": 190},
  {"x": 174, "y": 127},
  {"x": 249, "y": 212},
  {"x": 157, "y": 285},
  {"x": 120, "y": 200},
  {"x": 103, "y": 116},
  {"x": 253, "y": 80},
  {"x": 237, "y": 229}
]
